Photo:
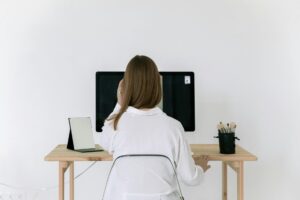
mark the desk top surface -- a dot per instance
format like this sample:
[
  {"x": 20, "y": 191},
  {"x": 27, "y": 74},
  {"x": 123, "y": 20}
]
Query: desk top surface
[{"x": 61, "y": 153}]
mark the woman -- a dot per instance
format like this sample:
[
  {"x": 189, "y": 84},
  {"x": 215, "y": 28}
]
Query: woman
[{"x": 137, "y": 126}]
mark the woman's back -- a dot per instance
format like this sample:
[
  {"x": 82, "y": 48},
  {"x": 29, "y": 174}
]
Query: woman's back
[{"x": 147, "y": 132}]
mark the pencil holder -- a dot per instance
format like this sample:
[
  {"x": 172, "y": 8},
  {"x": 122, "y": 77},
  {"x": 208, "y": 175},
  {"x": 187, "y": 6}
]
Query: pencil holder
[{"x": 227, "y": 142}]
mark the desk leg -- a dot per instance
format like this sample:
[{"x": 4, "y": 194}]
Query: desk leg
[
  {"x": 238, "y": 167},
  {"x": 224, "y": 180},
  {"x": 72, "y": 180},
  {"x": 63, "y": 166},
  {"x": 240, "y": 181}
]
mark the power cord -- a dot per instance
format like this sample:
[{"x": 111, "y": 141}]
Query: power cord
[{"x": 43, "y": 189}]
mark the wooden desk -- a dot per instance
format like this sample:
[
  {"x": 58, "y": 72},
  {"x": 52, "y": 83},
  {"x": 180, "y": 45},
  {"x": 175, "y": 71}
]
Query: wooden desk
[{"x": 67, "y": 157}]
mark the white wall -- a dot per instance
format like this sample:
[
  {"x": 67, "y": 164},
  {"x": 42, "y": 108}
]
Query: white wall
[{"x": 245, "y": 55}]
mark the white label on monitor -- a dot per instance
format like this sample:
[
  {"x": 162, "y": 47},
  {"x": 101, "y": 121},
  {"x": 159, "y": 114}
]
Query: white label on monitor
[{"x": 187, "y": 80}]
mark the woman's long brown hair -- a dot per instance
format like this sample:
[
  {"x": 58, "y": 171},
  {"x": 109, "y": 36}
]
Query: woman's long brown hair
[{"x": 141, "y": 87}]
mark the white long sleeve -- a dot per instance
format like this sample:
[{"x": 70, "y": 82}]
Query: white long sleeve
[
  {"x": 108, "y": 133},
  {"x": 188, "y": 172}
]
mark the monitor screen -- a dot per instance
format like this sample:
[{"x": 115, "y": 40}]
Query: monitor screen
[{"x": 178, "y": 99}]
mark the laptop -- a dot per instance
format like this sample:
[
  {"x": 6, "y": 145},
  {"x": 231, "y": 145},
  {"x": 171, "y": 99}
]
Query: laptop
[{"x": 81, "y": 135}]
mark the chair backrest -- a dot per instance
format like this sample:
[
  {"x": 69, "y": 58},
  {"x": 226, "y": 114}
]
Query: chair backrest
[{"x": 142, "y": 176}]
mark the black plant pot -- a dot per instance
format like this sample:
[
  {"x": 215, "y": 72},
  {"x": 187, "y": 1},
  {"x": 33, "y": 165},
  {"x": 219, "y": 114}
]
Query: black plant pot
[{"x": 227, "y": 142}]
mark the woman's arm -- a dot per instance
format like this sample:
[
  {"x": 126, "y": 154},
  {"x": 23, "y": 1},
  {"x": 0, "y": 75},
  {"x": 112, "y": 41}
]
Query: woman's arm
[
  {"x": 189, "y": 172},
  {"x": 108, "y": 133}
]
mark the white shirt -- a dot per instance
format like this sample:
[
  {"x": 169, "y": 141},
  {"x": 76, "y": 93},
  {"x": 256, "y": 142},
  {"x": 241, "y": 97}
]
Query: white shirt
[{"x": 151, "y": 132}]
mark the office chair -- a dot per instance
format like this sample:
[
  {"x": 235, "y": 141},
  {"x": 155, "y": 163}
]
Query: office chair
[{"x": 135, "y": 177}]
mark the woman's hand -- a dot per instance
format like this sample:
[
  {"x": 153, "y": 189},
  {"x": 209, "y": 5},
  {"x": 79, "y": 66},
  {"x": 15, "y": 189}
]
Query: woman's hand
[
  {"x": 120, "y": 92},
  {"x": 203, "y": 162}
]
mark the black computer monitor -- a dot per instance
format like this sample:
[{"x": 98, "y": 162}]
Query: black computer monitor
[{"x": 178, "y": 96}]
